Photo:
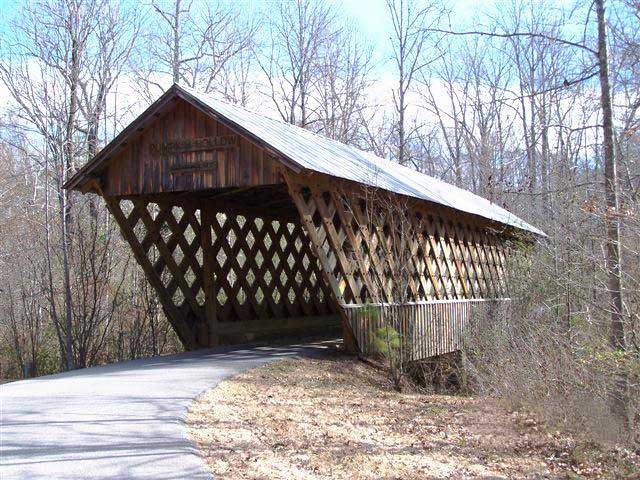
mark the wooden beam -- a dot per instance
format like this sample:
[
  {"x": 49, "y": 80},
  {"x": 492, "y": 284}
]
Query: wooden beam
[
  {"x": 344, "y": 264},
  {"x": 277, "y": 325},
  {"x": 207, "y": 216}
]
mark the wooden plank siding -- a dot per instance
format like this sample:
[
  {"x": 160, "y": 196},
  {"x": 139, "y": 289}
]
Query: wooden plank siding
[
  {"x": 136, "y": 170},
  {"x": 427, "y": 329}
]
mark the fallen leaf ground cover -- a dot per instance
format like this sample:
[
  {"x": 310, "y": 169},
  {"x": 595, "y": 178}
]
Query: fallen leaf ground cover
[{"x": 338, "y": 418}]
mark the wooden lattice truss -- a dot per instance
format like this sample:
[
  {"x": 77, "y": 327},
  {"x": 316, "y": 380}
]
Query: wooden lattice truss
[
  {"x": 446, "y": 257},
  {"x": 219, "y": 270},
  {"x": 213, "y": 270}
]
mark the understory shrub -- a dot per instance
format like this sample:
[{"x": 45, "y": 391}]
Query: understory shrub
[{"x": 557, "y": 363}]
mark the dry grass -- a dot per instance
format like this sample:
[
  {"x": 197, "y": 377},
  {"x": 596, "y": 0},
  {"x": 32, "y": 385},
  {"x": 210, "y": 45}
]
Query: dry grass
[{"x": 340, "y": 419}]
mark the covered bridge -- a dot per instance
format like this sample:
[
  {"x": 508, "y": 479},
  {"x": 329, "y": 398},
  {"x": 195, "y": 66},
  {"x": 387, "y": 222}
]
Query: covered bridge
[{"x": 247, "y": 226}]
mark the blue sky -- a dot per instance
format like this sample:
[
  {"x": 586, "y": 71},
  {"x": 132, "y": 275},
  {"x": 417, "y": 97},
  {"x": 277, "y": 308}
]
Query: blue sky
[
  {"x": 370, "y": 15},
  {"x": 7, "y": 6}
]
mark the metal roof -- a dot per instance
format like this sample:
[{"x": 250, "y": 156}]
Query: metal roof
[
  {"x": 320, "y": 154},
  {"x": 302, "y": 149}
]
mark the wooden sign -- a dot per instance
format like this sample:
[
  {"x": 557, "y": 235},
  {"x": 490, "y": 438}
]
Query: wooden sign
[
  {"x": 194, "y": 145},
  {"x": 178, "y": 148}
]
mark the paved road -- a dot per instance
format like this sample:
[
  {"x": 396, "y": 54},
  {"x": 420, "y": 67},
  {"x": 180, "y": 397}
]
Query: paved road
[{"x": 118, "y": 421}]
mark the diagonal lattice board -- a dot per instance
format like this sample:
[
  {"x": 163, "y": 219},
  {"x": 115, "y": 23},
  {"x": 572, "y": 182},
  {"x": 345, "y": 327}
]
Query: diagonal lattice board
[
  {"x": 445, "y": 259},
  {"x": 210, "y": 267}
]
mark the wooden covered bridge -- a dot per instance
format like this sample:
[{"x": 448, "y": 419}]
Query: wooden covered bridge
[{"x": 247, "y": 226}]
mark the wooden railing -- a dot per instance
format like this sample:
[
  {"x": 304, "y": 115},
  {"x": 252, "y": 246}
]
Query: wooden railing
[{"x": 427, "y": 329}]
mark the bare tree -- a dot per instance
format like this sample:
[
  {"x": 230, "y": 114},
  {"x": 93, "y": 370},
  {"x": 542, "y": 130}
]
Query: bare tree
[
  {"x": 343, "y": 80},
  {"x": 410, "y": 23},
  {"x": 612, "y": 214},
  {"x": 540, "y": 78},
  {"x": 53, "y": 78},
  {"x": 195, "y": 46},
  {"x": 449, "y": 112},
  {"x": 237, "y": 78},
  {"x": 300, "y": 32},
  {"x": 170, "y": 50},
  {"x": 392, "y": 226},
  {"x": 23, "y": 312}
]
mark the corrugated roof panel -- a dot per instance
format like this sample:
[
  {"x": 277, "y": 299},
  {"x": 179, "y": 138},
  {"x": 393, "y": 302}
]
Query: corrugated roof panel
[{"x": 317, "y": 153}]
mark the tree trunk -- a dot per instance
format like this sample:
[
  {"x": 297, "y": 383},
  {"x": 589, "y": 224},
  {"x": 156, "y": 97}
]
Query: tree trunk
[
  {"x": 401, "y": 105},
  {"x": 176, "y": 44},
  {"x": 611, "y": 215},
  {"x": 68, "y": 167}
]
